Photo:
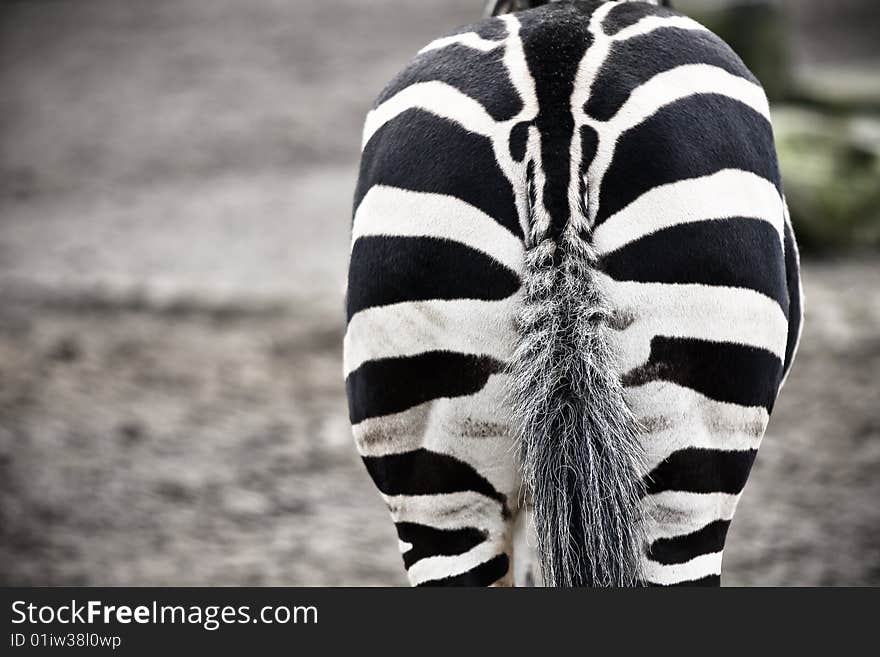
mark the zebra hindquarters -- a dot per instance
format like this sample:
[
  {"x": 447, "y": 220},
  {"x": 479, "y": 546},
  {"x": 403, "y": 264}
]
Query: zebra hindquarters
[
  {"x": 430, "y": 327},
  {"x": 632, "y": 151}
]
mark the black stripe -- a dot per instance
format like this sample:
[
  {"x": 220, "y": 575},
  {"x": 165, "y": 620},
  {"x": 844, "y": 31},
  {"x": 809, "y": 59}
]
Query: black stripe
[
  {"x": 518, "y": 140},
  {"x": 392, "y": 385},
  {"x": 385, "y": 270},
  {"x": 794, "y": 296},
  {"x": 480, "y": 75},
  {"x": 680, "y": 549},
  {"x": 556, "y": 38},
  {"x": 492, "y": 29},
  {"x": 422, "y": 472},
  {"x": 589, "y": 146},
  {"x": 635, "y": 61},
  {"x": 734, "y": 252},
  {"x": 734, "y": 373},
  {"x": 709, "y": 580},
  {"x": 693, "y": 137},
  {"x": 486, "y": 574},
  {"x": 431, "y": 542},
  {"x": 423, "y": 152},
  {"x": 696, "y": 470},
  {"x": 630, "y": 13}
]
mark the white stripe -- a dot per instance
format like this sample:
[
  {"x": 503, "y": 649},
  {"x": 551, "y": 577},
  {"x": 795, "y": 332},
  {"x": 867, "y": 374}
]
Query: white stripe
[
  {"x": 465, "y": 326},
  {"x": 697, "y": 568},
  {"x": 800, "y": 293},
  {"x": 678, "y": 513},
  {"x": 448, "y": 511},
  {"x": 681, "y": 82},
  {"x": 702, "y": 312},
  {"x": 651, "y": 23},
  {"x": 518, "y": 70},
  {"x": 676, "y": 418},
  {"x": 521, "y": 78},
  {"x": 728, "y": 193},
  {"x": 474, "y": 429},
  {"x": 589, "y": 68},
  {"x": 592, "y": 62},
  {"x": 437, "y": 98},
  {"x": 394, "y": 433},
  {"x": 399, "y": 212},
  {"x": 404, "y": 546},
  {"x": 467, "y": 39},
  {"x": 431, "y": 568}
]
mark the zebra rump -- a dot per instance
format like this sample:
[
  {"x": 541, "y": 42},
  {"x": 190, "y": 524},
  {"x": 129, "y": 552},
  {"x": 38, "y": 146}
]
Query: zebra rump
[{"x": 581, "y": 461}]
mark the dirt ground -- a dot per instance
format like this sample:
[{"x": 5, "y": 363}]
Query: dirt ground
[{"x": 175, "y": 182}]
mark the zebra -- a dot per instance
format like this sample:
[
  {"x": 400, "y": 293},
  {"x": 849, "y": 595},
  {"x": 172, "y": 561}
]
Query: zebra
[{"x": 573, "y": 297}]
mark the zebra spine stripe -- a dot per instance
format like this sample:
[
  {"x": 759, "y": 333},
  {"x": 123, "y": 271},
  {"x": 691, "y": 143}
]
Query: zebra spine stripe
[{"x": 581, "y": 460}]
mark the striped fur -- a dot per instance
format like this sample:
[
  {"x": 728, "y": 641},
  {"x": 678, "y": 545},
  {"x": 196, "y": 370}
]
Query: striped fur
[{"x": 573, "y": 297}]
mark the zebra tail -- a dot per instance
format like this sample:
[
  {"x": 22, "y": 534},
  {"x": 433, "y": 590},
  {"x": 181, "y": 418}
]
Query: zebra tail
[{"x": 581, "y": 460}]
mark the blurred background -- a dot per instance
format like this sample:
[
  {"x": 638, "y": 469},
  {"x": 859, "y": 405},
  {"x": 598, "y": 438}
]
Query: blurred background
[{"x": 175, "y": 188}]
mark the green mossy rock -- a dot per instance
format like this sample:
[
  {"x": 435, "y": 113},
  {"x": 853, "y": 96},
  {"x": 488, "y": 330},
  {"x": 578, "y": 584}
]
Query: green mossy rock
[{"x": 831, "y": 170}]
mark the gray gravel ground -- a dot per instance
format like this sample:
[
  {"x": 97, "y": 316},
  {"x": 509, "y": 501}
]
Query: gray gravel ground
[
  {"x": 175, "y": 181},
  {"x": 189, "y": 444}
]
